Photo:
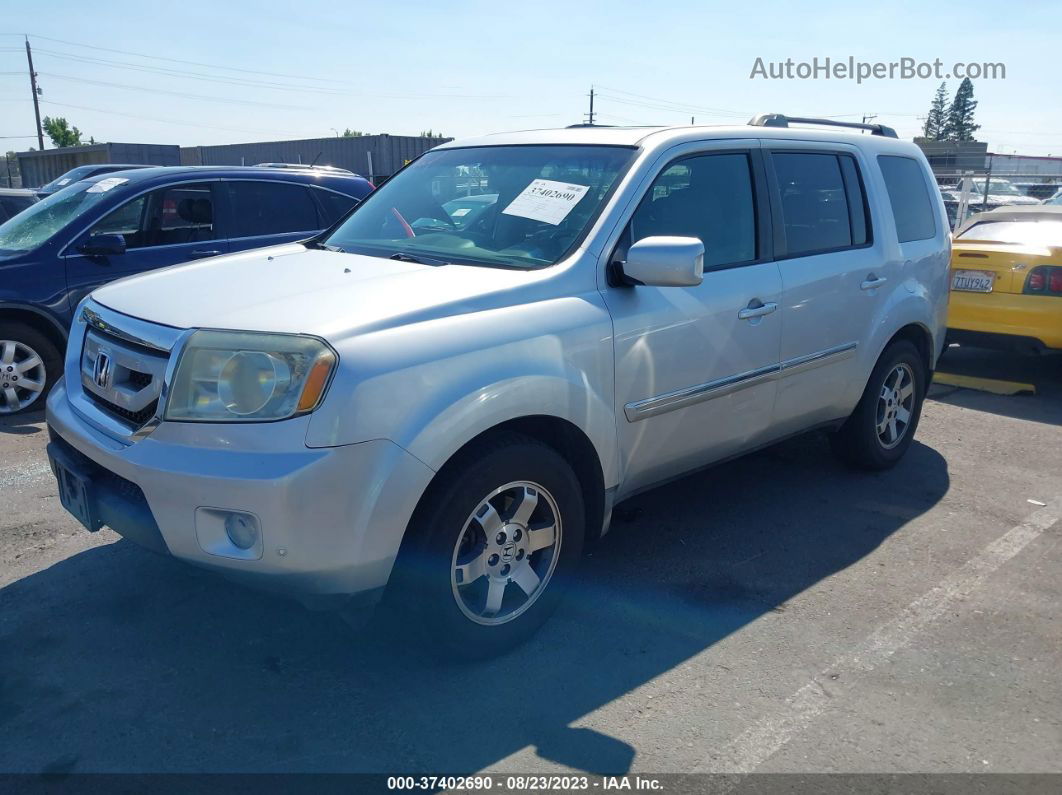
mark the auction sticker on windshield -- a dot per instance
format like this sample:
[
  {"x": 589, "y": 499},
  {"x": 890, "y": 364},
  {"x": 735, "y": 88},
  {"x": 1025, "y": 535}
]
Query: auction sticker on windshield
[
  {"x": 547, "y": 201},
  {"x": 105, "y": 185}
]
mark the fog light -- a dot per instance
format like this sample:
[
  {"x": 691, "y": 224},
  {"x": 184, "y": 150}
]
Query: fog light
[{"x": 242, "y": 530}]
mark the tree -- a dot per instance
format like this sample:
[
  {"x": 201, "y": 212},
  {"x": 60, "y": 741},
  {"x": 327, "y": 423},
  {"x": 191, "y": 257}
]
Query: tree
[
  {"x": 60, "y": 131},
  {"x": 937, "y": 120},
  {"x": 430, "y": 134},
  {"x": 960, "y": 125},
  {"x": 349, "y": 133}
]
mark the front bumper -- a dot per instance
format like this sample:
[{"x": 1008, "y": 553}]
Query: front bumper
[{"x": 332, "y": 519}]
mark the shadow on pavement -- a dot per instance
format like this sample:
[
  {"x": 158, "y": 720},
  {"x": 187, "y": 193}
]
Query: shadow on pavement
[
  {"x": 27, "y": 422},
  {"x": 118, "y": 660},
  {"x": 1044, "y": 372}
]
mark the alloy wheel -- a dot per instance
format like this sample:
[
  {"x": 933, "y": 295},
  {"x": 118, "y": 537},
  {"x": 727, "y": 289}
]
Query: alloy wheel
[
  {"x": 506, "y": 553},
  {"x": 895, "y": 406},
  {"x": 22, "y": 376}
]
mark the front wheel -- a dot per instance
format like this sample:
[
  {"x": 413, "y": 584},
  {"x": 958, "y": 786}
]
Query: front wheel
[
  {"x": 29, "y": 365},
  {"x": 882, "y": 427},
  {"x": 491, "y": 548}
]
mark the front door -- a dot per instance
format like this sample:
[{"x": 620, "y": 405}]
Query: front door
[
  {"x": 166, "y": 226},
  {"x": 695, "y": 366}
]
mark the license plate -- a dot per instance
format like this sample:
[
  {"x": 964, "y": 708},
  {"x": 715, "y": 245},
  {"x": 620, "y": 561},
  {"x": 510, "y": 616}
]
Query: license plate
[
  {"x": 75, "y": 489},
  {"x": 973, "y": 281}
]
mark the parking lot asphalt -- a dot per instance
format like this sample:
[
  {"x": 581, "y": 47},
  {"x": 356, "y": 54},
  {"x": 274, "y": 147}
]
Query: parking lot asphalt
[{"x": 776, "y": 613}]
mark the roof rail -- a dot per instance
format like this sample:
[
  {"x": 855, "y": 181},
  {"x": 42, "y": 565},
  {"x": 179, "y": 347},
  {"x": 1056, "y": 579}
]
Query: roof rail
[{"x": 780, "y": 120}]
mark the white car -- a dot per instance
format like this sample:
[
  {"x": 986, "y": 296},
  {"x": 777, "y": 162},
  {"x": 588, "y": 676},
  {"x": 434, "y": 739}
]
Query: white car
[{"x": 447, "y": 417}]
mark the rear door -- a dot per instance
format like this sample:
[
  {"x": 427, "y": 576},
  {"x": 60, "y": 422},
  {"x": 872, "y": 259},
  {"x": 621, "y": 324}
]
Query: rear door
[
  {"x": 833, "y": 274},
  {"x": 161, "y": 227},
  {"x": 263, "y": 213}
]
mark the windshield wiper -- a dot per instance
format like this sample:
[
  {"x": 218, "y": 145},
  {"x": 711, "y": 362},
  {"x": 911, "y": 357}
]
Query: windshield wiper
[
  {"x": 401, "y": 256},
  {"x": 317, "y": 244}
]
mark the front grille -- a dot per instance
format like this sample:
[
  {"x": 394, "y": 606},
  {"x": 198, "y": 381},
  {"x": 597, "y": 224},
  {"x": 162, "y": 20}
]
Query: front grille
[
  {"x": 122, "y": 378},
  {"x": 139, "y": 380},
  {"x": 135, "y": 418}
]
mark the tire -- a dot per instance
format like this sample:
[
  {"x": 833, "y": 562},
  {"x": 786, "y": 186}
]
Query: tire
[
  {"x": 867, "y": 440},
  {"x": 24, "y": 385},
  {"x": 458, "y": 555}
]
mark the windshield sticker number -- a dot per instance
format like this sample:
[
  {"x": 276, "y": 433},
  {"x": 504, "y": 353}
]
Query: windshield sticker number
[
  {"x": 105, "y": 185},
  {"x": 547, "y": 201}
]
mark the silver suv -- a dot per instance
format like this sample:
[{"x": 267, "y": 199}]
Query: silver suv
[{"x": 440, "y": 400}]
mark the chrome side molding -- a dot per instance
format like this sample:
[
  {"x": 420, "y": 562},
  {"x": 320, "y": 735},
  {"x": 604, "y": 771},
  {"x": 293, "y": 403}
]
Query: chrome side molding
[{"x": 688, "y": 396}]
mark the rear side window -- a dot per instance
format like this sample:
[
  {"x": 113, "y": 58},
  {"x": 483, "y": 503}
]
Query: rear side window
[
  {"x": 909, "y": 197},
  {"x": 271, "y": 208},
  {"x": 331, "y": 206},
  {"x": 822, "y": 202}
]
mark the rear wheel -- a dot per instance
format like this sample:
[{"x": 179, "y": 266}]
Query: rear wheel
[
  {"x": 491, "y": 548},
  {"x": 29, "y": 365},
  {"x": 882, "y": 427}
]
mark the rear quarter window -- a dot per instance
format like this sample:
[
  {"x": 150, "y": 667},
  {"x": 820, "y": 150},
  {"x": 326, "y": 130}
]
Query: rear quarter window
[{"x": 905, "y": 182}]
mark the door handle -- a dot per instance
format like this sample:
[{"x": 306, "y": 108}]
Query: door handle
[
  {"x": 757, "y": 308},
  {"x": 872, "y": 281},
  {"x": 201, "y": 253}
]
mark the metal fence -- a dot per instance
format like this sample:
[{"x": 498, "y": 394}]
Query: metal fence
[
  {"x": 973, "y": 190},
  {"x": 373, "y": 156}
]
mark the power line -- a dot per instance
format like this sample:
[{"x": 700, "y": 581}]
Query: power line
[
  {"x": 684, "y": 106},
  {"x": 185, "y": 95},
  {"x": 188, "y": 63},
  {"x": 174, "y": 121},
  {"x": 238, "y": 81}
]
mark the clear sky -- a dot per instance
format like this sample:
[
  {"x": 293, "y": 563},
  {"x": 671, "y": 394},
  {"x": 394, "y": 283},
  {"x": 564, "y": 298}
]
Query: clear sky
[{"x": 466, "y": 67}]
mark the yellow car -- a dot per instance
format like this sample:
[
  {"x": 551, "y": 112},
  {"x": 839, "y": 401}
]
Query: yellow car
[{"x": 1006, "y": 280}]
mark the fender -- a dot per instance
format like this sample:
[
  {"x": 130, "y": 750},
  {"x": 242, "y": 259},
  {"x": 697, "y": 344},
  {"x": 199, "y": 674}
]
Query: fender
[
  {"x": 52, "y": 321},
  {"x": 431, "y": 387}
]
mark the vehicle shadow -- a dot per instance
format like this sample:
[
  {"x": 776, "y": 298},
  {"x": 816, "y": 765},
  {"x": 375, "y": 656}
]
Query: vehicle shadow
[
  {"x": 1044, "y": 372},
  {"x": 25, "y": 423},
  {"x": 119, "y": 660}
]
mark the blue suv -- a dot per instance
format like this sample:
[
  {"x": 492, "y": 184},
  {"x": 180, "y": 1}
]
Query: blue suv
[{"x": 126, "y": 222}]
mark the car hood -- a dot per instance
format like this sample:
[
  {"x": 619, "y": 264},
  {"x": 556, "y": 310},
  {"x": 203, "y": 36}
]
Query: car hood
[{"x": 294, "y": 289}]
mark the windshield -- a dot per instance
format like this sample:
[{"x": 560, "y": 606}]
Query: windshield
[
  {"x": 70, "y": 177},
  {"x": 505, "y": 206},
  {"x": 34, "y": 226},
  {"x": 1030, "y": 233}
]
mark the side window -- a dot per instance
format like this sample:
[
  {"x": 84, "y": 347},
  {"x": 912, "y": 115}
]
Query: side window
[
  {"x": 911, "y": 207},
  {"x": 708, "y": 197},
  {"x": 164, "y": 217},
  {"x": 271, "y": 208},
  {"x": 124, "y": 221},
  {"x": 331, "y": 206},
  {"x": 815, "y": 209}
]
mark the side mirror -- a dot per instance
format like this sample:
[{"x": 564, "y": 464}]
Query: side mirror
[
  {"x": 103, "y": 246},
  {"x": 665, "y": 262}
]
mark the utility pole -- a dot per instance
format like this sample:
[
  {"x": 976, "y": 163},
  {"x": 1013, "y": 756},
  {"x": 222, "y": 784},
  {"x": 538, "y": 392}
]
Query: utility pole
[
  {"x": 36, "y": 93},
  {"x": 590, "y": 115}
]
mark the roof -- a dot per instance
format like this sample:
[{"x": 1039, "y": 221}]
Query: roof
[
  {"x": 162, "y": 173},
  {"x": 660, "y": 137}
]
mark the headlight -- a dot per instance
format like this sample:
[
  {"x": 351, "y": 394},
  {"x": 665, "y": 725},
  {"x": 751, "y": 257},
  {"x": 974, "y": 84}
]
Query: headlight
[{"x": 243, "y": 376}]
